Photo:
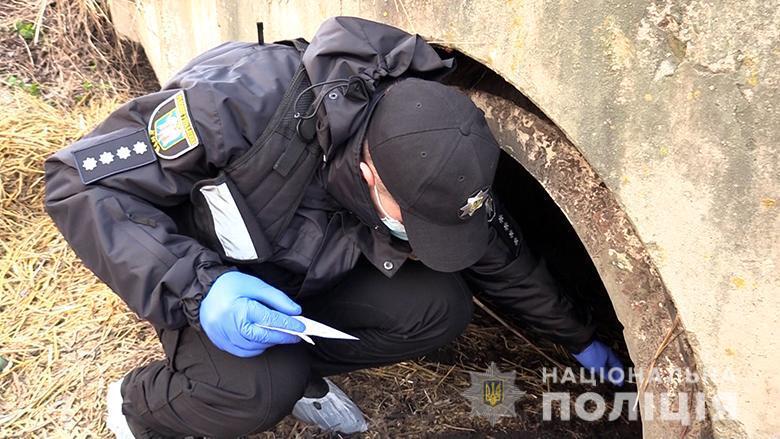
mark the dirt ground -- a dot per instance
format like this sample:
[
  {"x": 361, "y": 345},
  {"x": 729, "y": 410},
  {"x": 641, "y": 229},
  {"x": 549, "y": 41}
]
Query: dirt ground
[{"x": 64, "y": 335}]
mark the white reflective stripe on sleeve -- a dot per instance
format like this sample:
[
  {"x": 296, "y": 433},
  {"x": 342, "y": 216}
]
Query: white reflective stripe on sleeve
[{"x": 228, "y": 224}]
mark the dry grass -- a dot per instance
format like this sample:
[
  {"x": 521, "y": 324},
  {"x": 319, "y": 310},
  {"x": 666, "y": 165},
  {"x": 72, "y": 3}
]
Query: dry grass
[
  {"x": 74, "y": 55},
  {"x": 66, "y": 335}
]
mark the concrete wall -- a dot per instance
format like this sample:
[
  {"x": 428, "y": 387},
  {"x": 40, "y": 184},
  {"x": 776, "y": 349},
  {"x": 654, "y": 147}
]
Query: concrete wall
[{"x": 674, "y": 107}]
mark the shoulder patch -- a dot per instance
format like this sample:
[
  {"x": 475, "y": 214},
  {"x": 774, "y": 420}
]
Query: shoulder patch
[
  {"x": 507, "y": 228},
  {"x": 114, "y": 156},
  {"x": 171, "y": 129}
]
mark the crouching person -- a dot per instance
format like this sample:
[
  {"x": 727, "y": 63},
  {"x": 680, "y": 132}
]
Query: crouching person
[{"x": 265, "y": 182}]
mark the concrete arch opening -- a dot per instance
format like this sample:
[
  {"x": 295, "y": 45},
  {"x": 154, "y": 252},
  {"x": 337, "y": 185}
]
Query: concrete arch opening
[{"x": 574, "y": 221}]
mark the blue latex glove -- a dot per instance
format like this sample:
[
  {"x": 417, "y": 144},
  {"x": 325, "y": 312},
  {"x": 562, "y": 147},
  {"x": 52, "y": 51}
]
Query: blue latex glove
[
  {"x": 600, "y": 359},
  {"x": 235, "y": 302}
]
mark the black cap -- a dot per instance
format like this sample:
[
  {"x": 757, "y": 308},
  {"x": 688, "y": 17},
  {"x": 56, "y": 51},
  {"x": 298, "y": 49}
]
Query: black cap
[{"x": 436, "y": 155}]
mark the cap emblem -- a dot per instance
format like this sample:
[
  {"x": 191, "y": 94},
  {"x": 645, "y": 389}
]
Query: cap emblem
[{"x": 473, "y": 203}]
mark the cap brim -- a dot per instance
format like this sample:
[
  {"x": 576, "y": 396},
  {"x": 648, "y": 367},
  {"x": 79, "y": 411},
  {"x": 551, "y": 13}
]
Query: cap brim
[{"x": 448, "y": 248}]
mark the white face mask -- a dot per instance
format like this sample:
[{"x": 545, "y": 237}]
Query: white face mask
[{"x": 397, "y": 229}]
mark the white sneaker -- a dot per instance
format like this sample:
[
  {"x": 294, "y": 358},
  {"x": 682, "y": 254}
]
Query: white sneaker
[
  {"x": 332, "y": 412},
  {"x": 115, "y": 420}
]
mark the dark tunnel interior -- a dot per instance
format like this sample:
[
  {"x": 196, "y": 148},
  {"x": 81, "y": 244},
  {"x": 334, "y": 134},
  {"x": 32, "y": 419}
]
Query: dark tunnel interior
[{"x": 547, "y": 230}]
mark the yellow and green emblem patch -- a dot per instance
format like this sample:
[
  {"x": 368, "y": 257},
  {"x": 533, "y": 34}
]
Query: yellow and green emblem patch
[{"x": 170, "y": 128}]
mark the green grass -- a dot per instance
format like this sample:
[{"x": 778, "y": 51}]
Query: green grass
[
  {"x": 30, "y": 87},
  {"x": 25, "y": 29}
]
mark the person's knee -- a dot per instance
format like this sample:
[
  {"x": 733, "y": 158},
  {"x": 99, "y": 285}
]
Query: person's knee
[
  {"x": 446, "y": 309},
  {"x": 288, "y": 377},
  {"x": 254, "y": 398},
  {"x": 454, "y": 299}
]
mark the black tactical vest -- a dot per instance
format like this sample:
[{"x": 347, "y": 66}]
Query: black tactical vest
[{"x": 242, "y": 212}]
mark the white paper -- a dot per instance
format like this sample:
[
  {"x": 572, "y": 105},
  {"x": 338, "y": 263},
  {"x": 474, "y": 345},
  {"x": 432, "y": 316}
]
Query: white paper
[{"x": 313, "y": 328}]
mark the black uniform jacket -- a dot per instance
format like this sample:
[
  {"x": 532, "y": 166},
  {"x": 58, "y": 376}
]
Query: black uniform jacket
[{"x": 121, "y": 194}]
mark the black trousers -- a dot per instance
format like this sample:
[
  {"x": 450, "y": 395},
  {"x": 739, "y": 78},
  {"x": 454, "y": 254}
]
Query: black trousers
[{"x": 201, "y": 390}]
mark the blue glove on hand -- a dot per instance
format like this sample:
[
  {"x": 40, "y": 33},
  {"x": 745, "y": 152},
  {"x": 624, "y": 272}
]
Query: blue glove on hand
[
  {"x": 235, "y": 302},
  {"x": 600, "y": 359}
]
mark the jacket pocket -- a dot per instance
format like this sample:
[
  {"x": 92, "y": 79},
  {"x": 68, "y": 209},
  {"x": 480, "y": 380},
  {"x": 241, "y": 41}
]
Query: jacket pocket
[{"x": 135, "y": 232}]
